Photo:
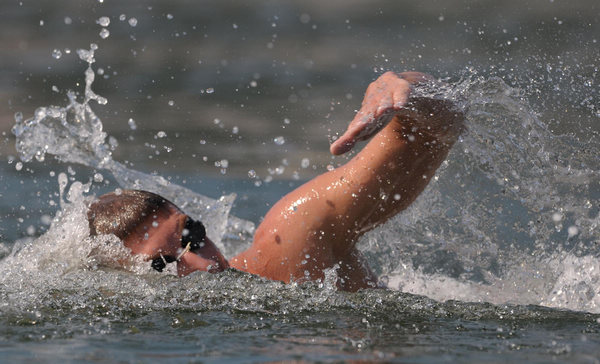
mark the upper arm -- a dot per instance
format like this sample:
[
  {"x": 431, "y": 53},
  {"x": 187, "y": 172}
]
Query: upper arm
[{"x": 307, "y": 231}]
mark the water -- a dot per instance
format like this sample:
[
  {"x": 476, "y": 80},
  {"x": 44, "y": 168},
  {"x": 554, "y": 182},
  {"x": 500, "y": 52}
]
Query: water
[{"x": 496, "y": 261}]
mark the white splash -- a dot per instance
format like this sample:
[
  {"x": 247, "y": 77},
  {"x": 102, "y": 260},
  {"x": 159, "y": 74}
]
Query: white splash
[
  {"x": 512, "y": 215},
  {"x": 74, "y": 134}
]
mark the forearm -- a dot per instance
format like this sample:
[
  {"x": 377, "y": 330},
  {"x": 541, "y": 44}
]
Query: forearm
[{"x": 409, "y": 159}]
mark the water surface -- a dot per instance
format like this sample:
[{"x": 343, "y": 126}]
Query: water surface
[{"x": 497, "y": 261}]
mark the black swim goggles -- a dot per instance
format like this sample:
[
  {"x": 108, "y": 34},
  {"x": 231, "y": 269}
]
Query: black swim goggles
[{"x": 192, "y": 239}]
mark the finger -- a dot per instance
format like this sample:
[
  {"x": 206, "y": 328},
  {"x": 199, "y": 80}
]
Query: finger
[
  {"x": 371, "y": 118},
  {"x": 363, "y": 127},
  {"x": 345, "y": 143},
  {"x": 340, "y": 147},
  {"x": 416, "y": 77},
  {"x": 400, "y": 98},
  {"x": 377, "y": 117},
  {"x": 386, "y": 102},
  {"x": 376, "y": 124}
]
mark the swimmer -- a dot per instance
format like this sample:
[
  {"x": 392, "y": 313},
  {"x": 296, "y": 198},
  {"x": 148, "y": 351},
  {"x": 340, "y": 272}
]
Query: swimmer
[{"x": 316, "y": 226}]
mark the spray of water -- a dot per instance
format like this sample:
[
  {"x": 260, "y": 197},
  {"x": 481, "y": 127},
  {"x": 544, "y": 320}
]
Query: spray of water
[
  {"x": 74, "y": 134},
  {"x": 512, "y": 216}
]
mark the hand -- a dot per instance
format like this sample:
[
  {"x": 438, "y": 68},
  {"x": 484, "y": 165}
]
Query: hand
[{"x": 384, "y": 98}]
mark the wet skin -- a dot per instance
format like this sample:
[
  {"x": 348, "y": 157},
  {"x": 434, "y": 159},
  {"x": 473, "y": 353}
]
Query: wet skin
[
  {"x": 317, "y": 225},
  {"x": 161, "y": 234}
]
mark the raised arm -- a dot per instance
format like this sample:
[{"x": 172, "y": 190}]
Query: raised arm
[{"x": 317, "y": 225}]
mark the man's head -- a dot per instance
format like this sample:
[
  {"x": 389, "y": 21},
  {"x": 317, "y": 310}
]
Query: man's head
[{"x": 149, "y": 224}]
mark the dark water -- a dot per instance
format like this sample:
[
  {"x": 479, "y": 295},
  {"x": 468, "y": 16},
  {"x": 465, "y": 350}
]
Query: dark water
[{"x": 512, "y": 218}]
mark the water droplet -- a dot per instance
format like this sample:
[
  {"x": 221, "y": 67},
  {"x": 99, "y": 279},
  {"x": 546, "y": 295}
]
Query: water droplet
[
  {"x": 252, "y": 173},
  {"x": 41, "y": 23},
  {"x": 286, "y": 121},
  {"x": 169, "y": 16},
  {"x": 56, "y": 53},
  {"x": 54, "y": 88},
  {"x": 305, "y": 163},
  {"x": 279, "y": 140},
  {"x": 397, "y": 197},
  {"x": 210, "y": 90},
  {"x": 131, "y": 124},
  {"x": 330, "y": 167},
  {"x": 557, "y": 216},
  {"x": 112, "y": 141},
  {"x": 104, "y": 33},
  {"x": 171, "y": 102},
  {"x": 46, "y": 219},
  {"x": 122, "y": 17},
  {"x": 161, "y": 134},
  {"x": 304, "y": 18},
  {"x": 103, "y": 21},
  {"x": 68, "y": 20},
  {"x": 235, "y": 130},
  {"x": 19, "y": 166},
  {"x": 133, "y": 22},
  {"x": 235, "y": 26},
  {"x": 572, "y": 231},
  {"x": 98, "y": 177},
  {"x": 253, "y": 83}
]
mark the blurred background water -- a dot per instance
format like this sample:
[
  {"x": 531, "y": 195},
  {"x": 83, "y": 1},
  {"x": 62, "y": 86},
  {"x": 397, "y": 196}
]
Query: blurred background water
[{"x": 244, "y": 97}]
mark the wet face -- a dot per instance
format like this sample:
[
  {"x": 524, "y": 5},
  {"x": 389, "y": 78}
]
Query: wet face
[{"x": 164, "y": 236}]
